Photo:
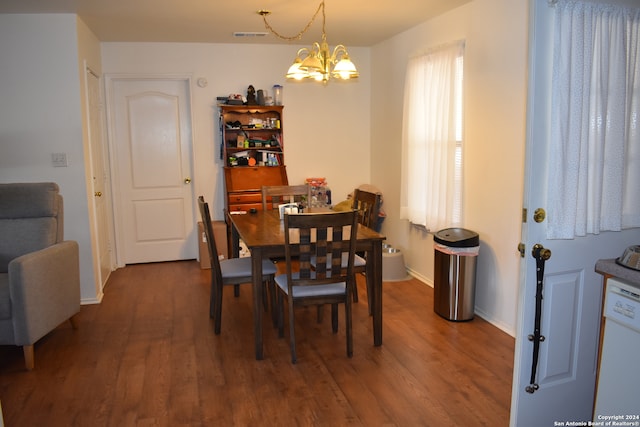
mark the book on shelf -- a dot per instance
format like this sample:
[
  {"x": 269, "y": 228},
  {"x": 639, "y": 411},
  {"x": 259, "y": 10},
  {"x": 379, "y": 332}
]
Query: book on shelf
[{"x": 255, "y": 157}]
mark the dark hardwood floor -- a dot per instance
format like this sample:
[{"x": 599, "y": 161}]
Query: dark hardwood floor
[{"x": 147, "y": 356}]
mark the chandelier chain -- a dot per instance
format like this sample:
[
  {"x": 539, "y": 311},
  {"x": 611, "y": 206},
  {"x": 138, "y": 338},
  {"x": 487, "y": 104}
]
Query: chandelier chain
[{"x": 304, "y": 30}]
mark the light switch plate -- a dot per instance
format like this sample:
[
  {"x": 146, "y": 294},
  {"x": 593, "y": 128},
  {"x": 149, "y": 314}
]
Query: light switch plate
[{"x": 59, "y": 160}]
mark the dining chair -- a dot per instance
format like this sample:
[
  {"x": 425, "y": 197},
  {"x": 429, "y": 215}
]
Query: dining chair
[
  {"x": 326, "y": 236},
  {"x": 233, "y": 271},
  {"x": 273, "y": 195},
  {"x": 367, "y": 205}
]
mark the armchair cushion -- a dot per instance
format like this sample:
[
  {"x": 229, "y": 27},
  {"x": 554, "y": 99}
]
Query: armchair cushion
[
  {"x": 29, "y": 219},
  {"x": 21, "y": 236},
  {"x": 29, "y": 200}
]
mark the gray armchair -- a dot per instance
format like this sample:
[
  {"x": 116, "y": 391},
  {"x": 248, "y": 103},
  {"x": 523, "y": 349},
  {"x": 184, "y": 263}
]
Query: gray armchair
[{"x": 39, "y": 272}]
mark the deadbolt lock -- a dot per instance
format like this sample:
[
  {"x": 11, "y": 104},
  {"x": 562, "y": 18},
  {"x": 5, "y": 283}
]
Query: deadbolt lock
[
  {"x": 539, "y": 215},
  {"x": 187, "y": 180}
]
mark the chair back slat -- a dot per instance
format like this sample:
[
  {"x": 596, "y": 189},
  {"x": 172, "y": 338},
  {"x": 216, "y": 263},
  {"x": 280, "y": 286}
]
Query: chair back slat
[
  {"x": 31, "y": 218},
  {"x": 305, "y": 253}
]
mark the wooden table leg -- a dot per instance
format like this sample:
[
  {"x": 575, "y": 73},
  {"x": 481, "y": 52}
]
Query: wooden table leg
[
  {"x": 374, "y": 279},
  {"x": 256, "y": 267},
  {"x": 234, "y": 245}
]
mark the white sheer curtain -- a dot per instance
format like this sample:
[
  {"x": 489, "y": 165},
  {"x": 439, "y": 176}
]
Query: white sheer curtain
[
  {"x": 594, "y": 156},
  {"x": 428, "y": 194}
]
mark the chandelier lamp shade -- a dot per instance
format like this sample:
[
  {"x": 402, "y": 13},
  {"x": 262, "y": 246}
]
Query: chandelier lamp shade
[{"x": 318, "y": 62}]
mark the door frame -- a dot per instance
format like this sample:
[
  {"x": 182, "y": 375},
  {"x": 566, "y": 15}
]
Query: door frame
[
  {"x": 110, "y": 79},
  {"x": 96, "y": 235}
]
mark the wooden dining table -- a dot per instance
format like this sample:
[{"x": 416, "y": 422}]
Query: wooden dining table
[{"x": 263, "y": 234}]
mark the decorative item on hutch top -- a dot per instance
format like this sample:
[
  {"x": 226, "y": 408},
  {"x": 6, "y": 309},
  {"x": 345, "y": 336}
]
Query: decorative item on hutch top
[
  {"x": 317, "y": 62},
  {"x": 277, "y": 94}
]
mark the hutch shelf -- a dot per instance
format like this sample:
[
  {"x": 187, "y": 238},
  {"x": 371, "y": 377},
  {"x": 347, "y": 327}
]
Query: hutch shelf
[{"x": 252, "y": 152}]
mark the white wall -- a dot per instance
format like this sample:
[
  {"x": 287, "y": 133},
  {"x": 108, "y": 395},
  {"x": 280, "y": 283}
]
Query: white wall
[
  {"x": 40, "y": 114},
  {"x": 495, "y": 99},
  {"x": 326, "y": 127}
]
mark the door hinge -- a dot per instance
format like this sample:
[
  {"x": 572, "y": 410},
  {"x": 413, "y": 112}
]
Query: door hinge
[{"x": 524, "y": 215}]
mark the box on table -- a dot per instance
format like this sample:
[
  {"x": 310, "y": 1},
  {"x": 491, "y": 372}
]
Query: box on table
[{"x": 220, "y": 234}]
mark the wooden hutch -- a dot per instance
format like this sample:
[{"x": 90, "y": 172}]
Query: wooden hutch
[{"x": 252, "y": 152}]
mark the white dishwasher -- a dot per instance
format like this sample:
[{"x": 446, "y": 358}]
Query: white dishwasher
[{"x": 619, "y": 377}]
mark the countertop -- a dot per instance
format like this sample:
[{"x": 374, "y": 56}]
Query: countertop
[{"x": 609, "y": 267}]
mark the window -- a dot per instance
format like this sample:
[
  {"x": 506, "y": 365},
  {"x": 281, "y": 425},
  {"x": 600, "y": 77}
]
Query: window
[
  {"x": 594, "y": 172},
  {"x": 432, "y": 138}
]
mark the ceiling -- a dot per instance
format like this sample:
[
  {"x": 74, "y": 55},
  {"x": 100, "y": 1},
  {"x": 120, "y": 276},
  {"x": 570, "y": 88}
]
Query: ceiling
[{"x": 349, "y": 22}]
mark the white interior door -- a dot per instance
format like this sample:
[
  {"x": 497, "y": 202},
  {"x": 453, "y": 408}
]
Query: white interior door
[
  {"x": 101, "y": 222},
  {"x": 571, "y": 308},
  {"x": 152, "y": 141}
]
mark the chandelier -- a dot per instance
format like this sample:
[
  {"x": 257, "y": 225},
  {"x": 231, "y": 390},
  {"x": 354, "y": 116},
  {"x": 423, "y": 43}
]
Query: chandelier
[{"x": 317, "y": 63}]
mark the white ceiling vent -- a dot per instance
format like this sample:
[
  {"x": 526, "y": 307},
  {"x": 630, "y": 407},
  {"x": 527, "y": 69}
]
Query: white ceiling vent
[{"x": 249, "y": 34}]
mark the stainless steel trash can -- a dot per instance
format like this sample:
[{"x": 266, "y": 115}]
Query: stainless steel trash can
[{"x": 454, "y": 284}]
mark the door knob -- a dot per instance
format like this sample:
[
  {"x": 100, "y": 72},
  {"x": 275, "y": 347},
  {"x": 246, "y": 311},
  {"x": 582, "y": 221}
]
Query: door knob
[
  {"x": 540, "y": 252},
  {"x": 98, "y": 194},
  {"x": 187, "y": 180}
]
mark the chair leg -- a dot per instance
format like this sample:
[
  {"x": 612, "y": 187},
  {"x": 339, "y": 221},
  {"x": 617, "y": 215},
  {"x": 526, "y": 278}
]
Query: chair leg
[
  {"x": 292, "y": 334},
  {"x": 280, "y": 315},
  {"x": 265, "y": 295},
  {"x": 349, "y": 327},
  {"x": 236, "y": 291},
  {"x": 355, "y": 291},
  {"x": 320, "y": 315},
  {"x": 74, "y": 321},
  {"x": 334, "y": 318},
  {"x": 217, "y": 308},
  {"x": 29, "y": 360},
  {"x": 273, "y": 296},
  {"x": 212, "y": 300}
]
